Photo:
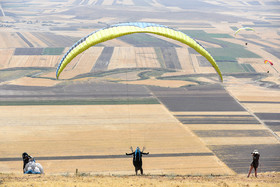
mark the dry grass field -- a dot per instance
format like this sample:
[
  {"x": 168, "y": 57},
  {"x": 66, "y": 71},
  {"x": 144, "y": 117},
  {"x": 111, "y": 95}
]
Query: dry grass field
[{"x": 83, "y": 179}]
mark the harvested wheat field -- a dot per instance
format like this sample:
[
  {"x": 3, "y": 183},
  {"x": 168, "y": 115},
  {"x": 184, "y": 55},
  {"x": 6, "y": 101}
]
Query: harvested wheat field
[
  {"x": 95, "y": 139},
  {"x": 84, "y": 179}
]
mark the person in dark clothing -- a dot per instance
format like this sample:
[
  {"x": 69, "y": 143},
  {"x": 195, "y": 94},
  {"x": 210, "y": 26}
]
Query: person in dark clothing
[
  {"x": 137, "y": 159},
  {"x": 255, "y": 162}
]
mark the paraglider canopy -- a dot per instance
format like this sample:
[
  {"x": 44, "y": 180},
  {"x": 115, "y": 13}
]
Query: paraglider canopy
[
  {"x": 122, "y": 29},
  {"x": 267, "y": 61},
  {"x": 243, "y": 28}
]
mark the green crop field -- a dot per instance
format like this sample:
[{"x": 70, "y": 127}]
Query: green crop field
[
  {"x": 232, "y": 53},
  {"x": 152, "y": 73},
  {"x": 218, "y": 35},
  {"x": 227, "y": 55},
  {"x": 234, "y": 28},
  {"x": 53, "y": 51},
  {"x": 15, "y": 73},
  {"x": 146, "y": 40}
]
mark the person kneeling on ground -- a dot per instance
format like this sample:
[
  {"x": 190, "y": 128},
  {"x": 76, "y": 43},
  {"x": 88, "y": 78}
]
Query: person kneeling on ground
[{"x": 30, "y": 166}]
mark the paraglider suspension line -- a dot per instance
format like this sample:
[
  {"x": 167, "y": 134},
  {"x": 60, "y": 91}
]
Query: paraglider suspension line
[{"x": 128, "y": 107}]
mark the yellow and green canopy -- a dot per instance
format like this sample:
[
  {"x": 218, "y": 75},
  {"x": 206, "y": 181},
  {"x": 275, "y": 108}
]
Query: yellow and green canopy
[{"x": 122, "y": 29}]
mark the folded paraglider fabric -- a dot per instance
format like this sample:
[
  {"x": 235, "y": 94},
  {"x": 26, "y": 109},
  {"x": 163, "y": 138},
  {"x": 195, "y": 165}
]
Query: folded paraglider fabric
[{"x": 33, "y": 168}]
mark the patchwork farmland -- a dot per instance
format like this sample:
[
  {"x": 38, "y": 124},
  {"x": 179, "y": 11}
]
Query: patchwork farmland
[{"x": 140, "y": 89}]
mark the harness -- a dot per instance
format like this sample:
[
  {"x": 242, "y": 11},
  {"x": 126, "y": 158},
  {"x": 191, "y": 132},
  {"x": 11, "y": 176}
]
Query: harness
[{"x": 137, "y": 154}]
